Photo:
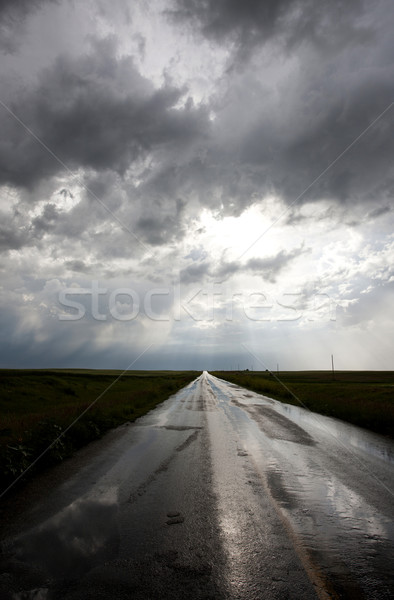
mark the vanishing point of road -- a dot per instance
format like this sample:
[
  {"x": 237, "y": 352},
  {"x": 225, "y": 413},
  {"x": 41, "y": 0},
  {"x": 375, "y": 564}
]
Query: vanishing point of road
[{"x": 217, "y": 493}]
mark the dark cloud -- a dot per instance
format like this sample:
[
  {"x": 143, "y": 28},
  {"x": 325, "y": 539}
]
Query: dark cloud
[
  {"x": 78, "y": 266},
  {"x": 46, "y": 221},
  {"x": 251, "y": 23},
  {"x": 304, "y": 136},
  {"x": 13, "y": 14},
  {"x": 194, "y": 273},
  {"x": 97, "y": 112},
  {"x": 314, "y": 140},
  {"x": 274, "y": 111},
  {"x": 268, "y": 267},
  {"x": 379, "y": 212},
  {"x": 347, "y": 174},
  {"x": 18, "y": 229},
  {"x": 317, "y": 139},
  {"x": 10, "y": 239},
  {"x": 161, "y": 222},
  {"x": 156, "y": 230},
  {"x": 20, "y": 7}
]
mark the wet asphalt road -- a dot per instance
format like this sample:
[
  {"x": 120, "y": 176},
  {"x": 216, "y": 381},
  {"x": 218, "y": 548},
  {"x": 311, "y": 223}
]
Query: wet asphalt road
[{"x": 217, "y": 493}]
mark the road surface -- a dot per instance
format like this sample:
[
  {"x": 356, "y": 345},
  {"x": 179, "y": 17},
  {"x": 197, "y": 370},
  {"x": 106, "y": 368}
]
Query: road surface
[{"x": 217, "y": 493}]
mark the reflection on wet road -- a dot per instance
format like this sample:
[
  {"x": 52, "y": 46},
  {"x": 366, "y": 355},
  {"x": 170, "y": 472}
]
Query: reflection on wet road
[
  {"x": 330, "y": 482},
  {"x": 217, "y": 493}
]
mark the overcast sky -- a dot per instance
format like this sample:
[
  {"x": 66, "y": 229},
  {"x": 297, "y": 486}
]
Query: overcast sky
[{"x": 197, "y": 184}]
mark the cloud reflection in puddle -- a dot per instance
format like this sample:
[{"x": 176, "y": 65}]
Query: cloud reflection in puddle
[{"x": 71, "y": 543}]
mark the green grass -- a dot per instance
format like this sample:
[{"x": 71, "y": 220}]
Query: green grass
[
  {"x": 364, "y": 398},
  {"x": 36, "y": 406}
]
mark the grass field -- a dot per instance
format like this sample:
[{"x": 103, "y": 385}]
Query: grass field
[
  {"x": 36, "y": 406},
  {"x": 364, "y": 398}
]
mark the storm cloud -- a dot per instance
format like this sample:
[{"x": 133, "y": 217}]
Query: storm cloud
[
  {"x": 13, "y": 14},
  {"x": 98, "y": 112},
  {"x": 253, "y": 23},
  {"x": 336, "y": 83},
  {"x": 163, "y": 147}
]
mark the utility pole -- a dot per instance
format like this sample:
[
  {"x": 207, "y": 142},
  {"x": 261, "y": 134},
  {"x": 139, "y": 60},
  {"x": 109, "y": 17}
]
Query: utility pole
[{"x": 332, "y": 365}]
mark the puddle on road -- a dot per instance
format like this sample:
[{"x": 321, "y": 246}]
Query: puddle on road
[
  {"x": 347, "y": 434},
  {"x": 352, "y": 544},
  {"x": 66, "y": 546}
]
